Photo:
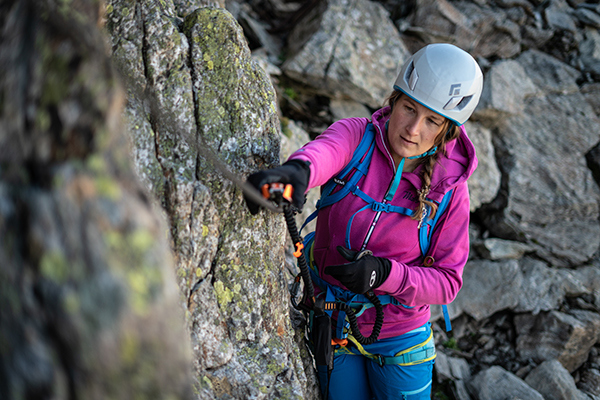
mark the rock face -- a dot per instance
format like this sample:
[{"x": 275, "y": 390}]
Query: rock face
[
  {"x": 549, "y": 173},
  {"x": 203, "y": 95},
  {"x": 89, "y": 307}
]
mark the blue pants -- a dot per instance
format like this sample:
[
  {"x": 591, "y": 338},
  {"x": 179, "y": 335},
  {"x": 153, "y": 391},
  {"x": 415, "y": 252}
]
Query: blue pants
[{"x": 357, "y": 377}]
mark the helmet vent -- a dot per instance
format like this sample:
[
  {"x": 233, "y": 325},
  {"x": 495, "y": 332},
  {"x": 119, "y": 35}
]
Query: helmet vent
[
  {"x": 464, "y": 102},
  {"x": 411, "y": 77},
  {"x": 458, "y": 103}
]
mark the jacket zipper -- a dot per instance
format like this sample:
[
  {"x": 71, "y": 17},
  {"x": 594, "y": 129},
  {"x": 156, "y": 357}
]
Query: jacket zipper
[{"x": 378, "y": 214}]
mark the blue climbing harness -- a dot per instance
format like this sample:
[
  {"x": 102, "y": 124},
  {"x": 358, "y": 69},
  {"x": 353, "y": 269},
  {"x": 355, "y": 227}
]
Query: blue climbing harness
[{"x": 347, "y": 183}]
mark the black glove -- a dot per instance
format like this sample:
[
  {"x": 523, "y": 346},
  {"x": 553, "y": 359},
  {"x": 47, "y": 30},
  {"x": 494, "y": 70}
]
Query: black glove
[
  {"x": 360, "y": 276},
  {"x": 294, "y": 172}
]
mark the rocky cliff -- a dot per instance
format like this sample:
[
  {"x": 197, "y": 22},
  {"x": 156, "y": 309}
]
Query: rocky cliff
[
  {"x": 89, "y": 305},
  {"x": 217, "y": 89}
]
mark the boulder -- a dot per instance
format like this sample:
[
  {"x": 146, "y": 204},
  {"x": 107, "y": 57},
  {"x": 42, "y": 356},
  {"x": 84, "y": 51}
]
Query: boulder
[
  {"x": 495, "y": 383},
  {"x": 348, "y": 109},
  {"x": 500, "y": 249},
  {"x": 590, "y": 382},
  {"x": 556, "y": 335},
  {"x": 455, "y": 370},
  {"x": 544, "y": 288},
  {"x": 554, "y": 382},
  {"x": 506, "y": 86},
  {"x": 558, "y": 16},
  {"x": 336, "y": 50},
  {"x": 488, "y": 287},
  {"x": 185, "y": 7},
  {"x": 590, "y": 52},
  {"x": 485, "y": 181}
]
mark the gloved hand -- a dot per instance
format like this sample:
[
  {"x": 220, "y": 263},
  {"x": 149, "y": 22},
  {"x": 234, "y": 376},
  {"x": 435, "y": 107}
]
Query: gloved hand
[
  {"x": 360, "y": 276},
  {"x": 294, "y": 172}
]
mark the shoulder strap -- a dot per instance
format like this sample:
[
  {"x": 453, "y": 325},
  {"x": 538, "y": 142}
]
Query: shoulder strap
[
  {"x": 426, "y": 230},
  {"x": 425, "y": 233},
  {"x": 361, "y": 159}
]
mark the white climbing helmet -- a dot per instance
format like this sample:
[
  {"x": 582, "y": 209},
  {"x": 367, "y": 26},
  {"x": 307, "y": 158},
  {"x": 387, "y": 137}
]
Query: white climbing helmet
[{"x": 443, "y": 78}]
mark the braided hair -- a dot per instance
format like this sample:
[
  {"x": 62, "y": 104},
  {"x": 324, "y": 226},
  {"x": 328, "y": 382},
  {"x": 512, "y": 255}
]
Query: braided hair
[{"x": 448, "y": 132}]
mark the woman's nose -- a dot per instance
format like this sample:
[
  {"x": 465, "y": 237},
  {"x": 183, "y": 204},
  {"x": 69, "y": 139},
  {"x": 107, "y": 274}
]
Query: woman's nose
[{"x": 413, "y": 126}]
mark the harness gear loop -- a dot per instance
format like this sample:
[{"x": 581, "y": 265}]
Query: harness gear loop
[{"x": 414, "y": 355}]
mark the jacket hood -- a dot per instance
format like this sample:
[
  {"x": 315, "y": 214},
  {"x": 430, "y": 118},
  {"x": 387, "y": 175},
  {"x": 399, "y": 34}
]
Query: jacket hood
[{"x": 453, "y": 168}]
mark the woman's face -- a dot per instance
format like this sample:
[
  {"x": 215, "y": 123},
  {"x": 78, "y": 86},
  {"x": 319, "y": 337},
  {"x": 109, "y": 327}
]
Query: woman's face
[{"x": 412, "y": 129}]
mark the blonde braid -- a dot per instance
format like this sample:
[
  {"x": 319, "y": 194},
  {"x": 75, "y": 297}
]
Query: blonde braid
[
  {"x": 426, "y": 174},
  {"x": 449, "y": 132}
]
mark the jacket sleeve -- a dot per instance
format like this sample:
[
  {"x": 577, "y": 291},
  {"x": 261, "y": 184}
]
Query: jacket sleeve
[
  {"x": 331, "y": 150},
  {"x": 415, "y": 285}
]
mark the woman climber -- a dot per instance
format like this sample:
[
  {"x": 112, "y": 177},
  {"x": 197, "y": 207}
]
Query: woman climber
[{"x": 372, "y": 240}]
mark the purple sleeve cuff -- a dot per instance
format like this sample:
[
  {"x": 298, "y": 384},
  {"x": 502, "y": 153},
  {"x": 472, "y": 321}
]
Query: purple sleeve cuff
[{"x": 392, "y": 283}]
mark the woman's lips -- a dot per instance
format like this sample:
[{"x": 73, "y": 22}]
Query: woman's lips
[{"x": 406, "y": 140}]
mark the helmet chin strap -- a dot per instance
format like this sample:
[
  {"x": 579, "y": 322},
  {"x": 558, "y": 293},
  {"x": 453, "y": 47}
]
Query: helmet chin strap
[{"x": 427, "y": 153}]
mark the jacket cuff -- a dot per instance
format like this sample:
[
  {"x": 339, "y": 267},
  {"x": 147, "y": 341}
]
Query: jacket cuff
[{"x": 392, "y": 283}]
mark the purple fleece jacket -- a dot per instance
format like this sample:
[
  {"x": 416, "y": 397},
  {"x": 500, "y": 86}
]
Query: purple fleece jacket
[{"x": 395, "y": 236}]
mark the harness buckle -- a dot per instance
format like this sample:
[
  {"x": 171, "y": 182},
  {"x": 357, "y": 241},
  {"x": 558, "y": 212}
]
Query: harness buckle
[
  {"x": 377, "y": 207},
  {"x": 380, "y": 360}
]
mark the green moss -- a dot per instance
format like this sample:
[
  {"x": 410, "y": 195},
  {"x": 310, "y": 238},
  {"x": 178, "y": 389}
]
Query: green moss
[
  {"x": 224, "y": 294},
  {"x": 239, "y": 335},
  {"x": 54, "y": 266},
  {"x": 42, "y": 120},
  {"x": 96, "y": 164},
  {"x": 71, "y": 303},
  {"x": 56, "y": 83},
  {"x": 131, "y": 255},
  {"x": 141, "y": 240},
  {"x": 224, "y": 346},
  {"x": 130, "y": 349},
  {"x": 223, "y": 109},
  {"x": 291, "y": 93},
  {"x": 107, "y": 187},
  {"x": 207, "y": 383},
  {"x": 451, "y": 344},
  {"x": 138, "y": 283}
]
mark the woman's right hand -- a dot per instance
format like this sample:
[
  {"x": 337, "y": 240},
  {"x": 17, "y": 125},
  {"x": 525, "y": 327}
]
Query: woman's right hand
[
  {"x": 293, "y": 172},
  {"x": 361, "y": 274}
]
